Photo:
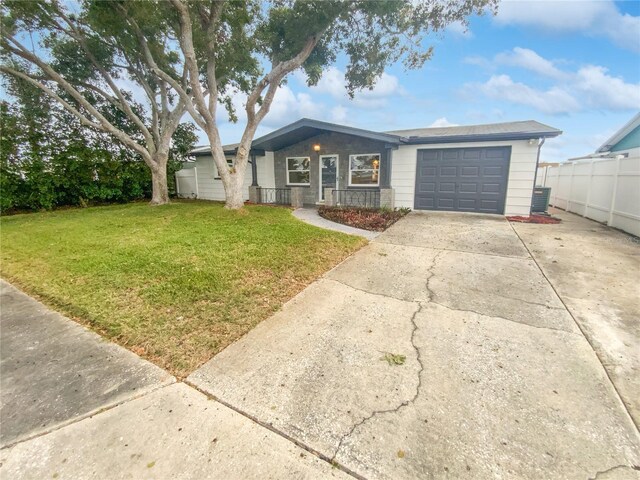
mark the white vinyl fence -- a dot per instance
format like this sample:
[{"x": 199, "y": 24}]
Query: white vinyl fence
[
  {"x": 187, "y": 183},
  {"x": 604, "y": 189}
]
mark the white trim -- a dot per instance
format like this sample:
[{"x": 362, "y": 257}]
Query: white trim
[
  {"x": 367, "y": 185},
  {"x": 195, "y": 174},
  {"x": 287, "y": 170},
  {"x": 337, "y": 157}
]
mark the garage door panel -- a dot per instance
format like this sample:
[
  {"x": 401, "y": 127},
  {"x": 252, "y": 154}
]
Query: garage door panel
[
  {"x": 448, "y": 171},
  {"x": 427, "y": 187},
  {"x": 462, "y": 179},
  {"x": 467, "y": 204},
  {"x": 430, "y": 154},
  {"x": 491, "y": 188},
  {"x": 426, "y": 203},
  {"x": 469, "y": 171},
  {"x": 448, "y": 155},
  {"x": 496, "y": 171},
  {"x": 446, "y": 187},
  {"x": 445, "y": 203},
  {"x": 494, "y": 153}
]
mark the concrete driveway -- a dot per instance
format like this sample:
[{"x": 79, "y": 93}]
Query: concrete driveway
[{"x": 440, "y": 350}]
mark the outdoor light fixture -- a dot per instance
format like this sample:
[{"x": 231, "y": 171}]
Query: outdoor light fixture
[{"x": 316, "y": 147}]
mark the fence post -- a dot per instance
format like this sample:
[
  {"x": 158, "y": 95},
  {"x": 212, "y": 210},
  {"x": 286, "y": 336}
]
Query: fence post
[
  {"x": 573, "y": 169},
  {"x": 297, "y": 197},
  {"x": 387, "y": 198},
  {"x": 588, "y": 200},
  {"x": 254, "y": 194},
  {"x": 615, "y": 191},
  {"x": 328, "y": 197}
]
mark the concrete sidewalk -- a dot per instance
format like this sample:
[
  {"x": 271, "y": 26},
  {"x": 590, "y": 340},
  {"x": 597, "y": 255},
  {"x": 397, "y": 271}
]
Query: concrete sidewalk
[
  {"x": 54, "y": 371},
  {"x": 310, "y": 216},
  {"x": 495, "y": 379},
  {"x": 73, "y": 405}
]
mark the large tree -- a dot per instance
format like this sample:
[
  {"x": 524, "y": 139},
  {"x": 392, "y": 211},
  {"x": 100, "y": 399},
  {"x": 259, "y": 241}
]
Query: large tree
[
  {"x": 81, "y": 57},
  {"x": 199, "y": 53},
  {"x": 251, "y": 47}
]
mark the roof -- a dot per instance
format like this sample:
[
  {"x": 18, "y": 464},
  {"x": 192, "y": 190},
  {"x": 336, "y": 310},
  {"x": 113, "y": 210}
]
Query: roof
[
  {"x": 620, "y": 134},
  {"x": 491, "y": 131},
  {"x": 307, "y": 128},
  {"x": 205, "y": 150}
]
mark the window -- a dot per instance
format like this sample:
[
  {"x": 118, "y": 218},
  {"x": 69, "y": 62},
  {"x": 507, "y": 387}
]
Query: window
[
  {"x": 229, "y": 164},
  {"x": 364, "y": 170},
  {"x": 298, "y": 171}
]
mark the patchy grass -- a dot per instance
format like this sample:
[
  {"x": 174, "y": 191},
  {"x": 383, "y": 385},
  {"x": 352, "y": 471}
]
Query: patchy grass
[
  {"x": 394, "y": 358},
  {"x": 373, "y": 219},
  {"x": 175, "y": 284}
]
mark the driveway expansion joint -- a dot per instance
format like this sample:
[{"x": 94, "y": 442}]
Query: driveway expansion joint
[
  {"x": 141, "y": 393},
  {"x": 540, "y": 327},
  {"x": 391, "y": 297},
  {"x": 470, "y": 252},
  {"x": 271, "y": 428}
]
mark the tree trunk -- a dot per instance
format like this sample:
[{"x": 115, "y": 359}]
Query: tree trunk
[
  {"x": 160, "y": 191},
  {"x": 233, "y": 192}
]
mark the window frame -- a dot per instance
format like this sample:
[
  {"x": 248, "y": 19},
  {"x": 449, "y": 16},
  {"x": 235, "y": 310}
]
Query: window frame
[
  {"x": 363, "y": 185},
  {"x": 307, "y": 170},
  {"x": 230, "y": 165}
]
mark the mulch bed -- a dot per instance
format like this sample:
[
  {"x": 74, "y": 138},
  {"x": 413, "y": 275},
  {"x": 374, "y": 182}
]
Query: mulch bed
[
  {"x": 372, "y": 219},
  {"x": 542, "y": 219}
]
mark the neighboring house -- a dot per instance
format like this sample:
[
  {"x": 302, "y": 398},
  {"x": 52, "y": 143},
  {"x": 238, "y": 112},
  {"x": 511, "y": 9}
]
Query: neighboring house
[
  {"x": 602, "y": 185},
  {"x": 624, "y": 142},
  {"x": 479, "y": 168}
]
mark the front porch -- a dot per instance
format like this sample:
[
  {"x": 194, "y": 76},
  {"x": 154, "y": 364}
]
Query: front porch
[{"x": 295, "y": 197}]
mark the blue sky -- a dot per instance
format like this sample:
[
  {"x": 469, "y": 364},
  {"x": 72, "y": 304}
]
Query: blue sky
[{"x": 570, "y": 64}]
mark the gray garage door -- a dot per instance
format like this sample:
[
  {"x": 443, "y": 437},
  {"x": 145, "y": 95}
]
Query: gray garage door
[{"x": 462, "y": 179}]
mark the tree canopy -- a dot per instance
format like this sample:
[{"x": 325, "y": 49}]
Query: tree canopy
[{"x": 194, "y": 55}]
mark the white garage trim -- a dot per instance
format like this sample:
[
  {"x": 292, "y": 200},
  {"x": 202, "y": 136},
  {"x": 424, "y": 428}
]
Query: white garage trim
[{"x": 520, "y": 181}]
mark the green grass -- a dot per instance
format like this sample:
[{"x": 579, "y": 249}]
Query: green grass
[{"x": 176, "y": 283}]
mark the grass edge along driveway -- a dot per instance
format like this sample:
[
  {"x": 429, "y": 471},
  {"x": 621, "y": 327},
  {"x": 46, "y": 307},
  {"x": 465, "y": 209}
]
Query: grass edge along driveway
[{"x": 175, "y": 283}]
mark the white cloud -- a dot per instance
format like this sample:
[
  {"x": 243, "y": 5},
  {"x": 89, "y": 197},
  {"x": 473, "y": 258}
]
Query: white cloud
[
  {"x": 593, "y": 18},
  {"x": 591, "y": 86},
  {"x": 442, "y": 122},
  {"x": 603, "y": 90},
  {"x": 339, "y": 114},
  {"x": 552, "y": 101},
  {"x": 333, "y": 83},
  {"x": 530, "y": 60},
  {"x": 458, "y": 29}
]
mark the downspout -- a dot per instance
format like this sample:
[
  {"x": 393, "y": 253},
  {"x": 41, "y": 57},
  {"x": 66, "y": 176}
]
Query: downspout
[
  {"x": 254, "y": 170},
  {"x": 535, "y": 175}
]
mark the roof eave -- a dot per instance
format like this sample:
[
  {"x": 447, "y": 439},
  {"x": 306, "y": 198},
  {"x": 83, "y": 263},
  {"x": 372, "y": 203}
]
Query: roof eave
[
  {"x": 306, "y": 122},
  {"x": 487, "y": 137}
]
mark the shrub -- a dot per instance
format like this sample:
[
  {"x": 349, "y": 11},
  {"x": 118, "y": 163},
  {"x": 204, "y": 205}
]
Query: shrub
[{"x": 373, "y": 219}]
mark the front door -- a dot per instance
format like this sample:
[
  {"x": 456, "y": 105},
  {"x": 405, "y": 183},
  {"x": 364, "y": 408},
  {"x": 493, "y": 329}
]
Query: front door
[{"x": 328, "y": 173}]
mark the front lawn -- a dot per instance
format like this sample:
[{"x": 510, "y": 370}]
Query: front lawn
[{"x": 176, "y": 283}]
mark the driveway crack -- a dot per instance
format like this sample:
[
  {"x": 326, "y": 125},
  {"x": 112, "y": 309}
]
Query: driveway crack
[
  {"x": 403, "y": 404},
  {"x": 432, "y": 274},
  {"x": 609, "y": 470}
]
